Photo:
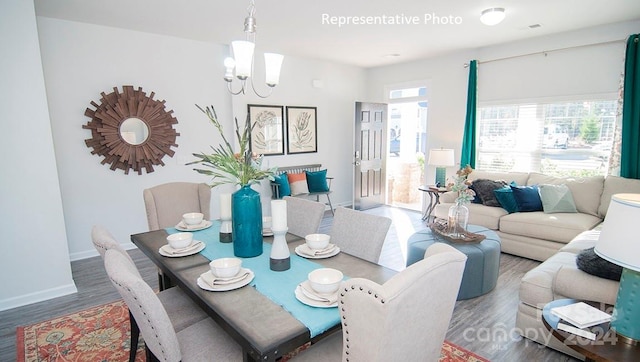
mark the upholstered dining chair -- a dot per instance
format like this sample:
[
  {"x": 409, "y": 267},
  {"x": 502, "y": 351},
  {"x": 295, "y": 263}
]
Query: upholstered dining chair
[
  {"x": 166, "y": 203},
  {"x": 404, "y": 319},
  {"x": 200, "y": 341},
  {"x": 358, "y": 233},
  {"x": 182, "y": 311},
  {"x": 303, "y": 216}
]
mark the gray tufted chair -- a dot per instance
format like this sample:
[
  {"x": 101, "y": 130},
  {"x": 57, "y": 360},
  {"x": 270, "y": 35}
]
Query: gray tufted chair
[
  {"x": 201, "y": 341},
  {"x": 405, "y": 319},
  {"x": 303, "y": 216},
  {"x": 359, "y": 234},
  {"x": 166, "y": 203},
  {"x": 182, "y": 311}
]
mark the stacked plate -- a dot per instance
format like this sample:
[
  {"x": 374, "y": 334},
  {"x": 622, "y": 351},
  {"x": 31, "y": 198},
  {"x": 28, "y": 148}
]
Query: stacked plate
[
  {"x": 306, "y": 252},
  {"x": 195, "y": 247},
  {"x": 212, "y": 283}
]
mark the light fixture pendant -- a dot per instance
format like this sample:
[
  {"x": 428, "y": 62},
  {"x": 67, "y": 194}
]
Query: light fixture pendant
[
  {"x": 492, "y": 16},
  {"x": 243, "y": 60}
]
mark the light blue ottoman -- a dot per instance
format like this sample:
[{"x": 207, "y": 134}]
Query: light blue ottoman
[{"x": 483, "y": 259}]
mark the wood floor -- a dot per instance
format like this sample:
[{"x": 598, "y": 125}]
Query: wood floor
[{"x": 483, "y": 325}]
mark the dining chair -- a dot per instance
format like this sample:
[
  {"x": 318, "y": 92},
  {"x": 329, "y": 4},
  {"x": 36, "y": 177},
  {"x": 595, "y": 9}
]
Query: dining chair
[
  {"x": 359, "y": 234},
  {"x": 404, "y": 319},
  {"x": 183, "y": 312},
  {"x": 166, "y": 203},
  {"x": 303, "y": 216},
  {"x": 200, "y": 341}
]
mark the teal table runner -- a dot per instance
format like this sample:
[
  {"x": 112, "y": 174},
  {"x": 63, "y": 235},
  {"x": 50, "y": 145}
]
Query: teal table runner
[{"x": 277, "y": 286}]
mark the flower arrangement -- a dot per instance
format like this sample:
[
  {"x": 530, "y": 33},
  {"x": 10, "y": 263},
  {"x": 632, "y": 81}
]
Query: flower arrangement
[
  {"x": 461, "y": 186},
  {"x": 240, "y": 168}
]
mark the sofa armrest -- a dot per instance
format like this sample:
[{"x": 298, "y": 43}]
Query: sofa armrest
[
  {"x": 573, "y": 283},
  {"x": 448, "y": 197}
]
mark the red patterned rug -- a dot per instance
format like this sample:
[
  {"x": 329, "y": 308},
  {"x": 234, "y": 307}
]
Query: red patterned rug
[{"x": 102, "y": 334}]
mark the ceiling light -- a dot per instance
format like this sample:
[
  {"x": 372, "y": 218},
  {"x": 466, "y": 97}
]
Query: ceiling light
[
  {"x": 492, "y": 16},
  {"x": 242, "y": 62}
]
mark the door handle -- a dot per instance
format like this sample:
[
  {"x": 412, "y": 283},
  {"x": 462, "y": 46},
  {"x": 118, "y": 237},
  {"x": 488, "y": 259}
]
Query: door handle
[{"x": 357, "y": 163}]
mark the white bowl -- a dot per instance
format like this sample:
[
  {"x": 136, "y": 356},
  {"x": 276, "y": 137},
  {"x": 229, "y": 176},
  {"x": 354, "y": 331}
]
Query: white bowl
[
  {"x": 317, "y": 241},
  {"x": 180, "y": 240},
  {"x": 192, "y": 218},
  {"x": 225, "y": 267},
  {"x": 325, "y": 280}
]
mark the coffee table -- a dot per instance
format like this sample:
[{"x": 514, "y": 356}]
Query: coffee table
[
  {"x": 606, "y": 347},
  {"x": 483, "y": 259}
]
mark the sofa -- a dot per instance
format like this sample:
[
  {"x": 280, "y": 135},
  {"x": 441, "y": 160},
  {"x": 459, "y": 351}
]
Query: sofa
[
  {"x": 538, "y": 235},
  {"x": 556, "y": 239}
]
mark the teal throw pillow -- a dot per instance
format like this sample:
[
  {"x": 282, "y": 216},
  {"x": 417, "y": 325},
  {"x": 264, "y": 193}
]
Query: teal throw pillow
[
  {"x": 557, "y": 198},
  {"x": 317, "y": 181},
  {"x": 283, "y": 184},
  {"x": 527, "y": 198},
  {"x": 506, "y": 199}
]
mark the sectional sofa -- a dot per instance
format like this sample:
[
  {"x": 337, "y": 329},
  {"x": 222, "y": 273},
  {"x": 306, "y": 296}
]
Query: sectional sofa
[{"x": 555, "y": 239}]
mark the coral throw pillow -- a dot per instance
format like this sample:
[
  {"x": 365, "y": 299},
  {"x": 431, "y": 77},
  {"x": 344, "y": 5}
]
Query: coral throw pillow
[{"x": 298, "y": 183}]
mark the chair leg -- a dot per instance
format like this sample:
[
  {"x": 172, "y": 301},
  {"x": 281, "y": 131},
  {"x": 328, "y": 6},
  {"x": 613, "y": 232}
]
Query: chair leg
[
  {"x": 330, "y": 206},
  {"x": 150, "y": 356},
  {"x": 135, "y": 335}
]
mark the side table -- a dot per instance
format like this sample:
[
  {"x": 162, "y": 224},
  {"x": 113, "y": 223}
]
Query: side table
[
  {"x": 606, "y": 347},
  {"x": 434, "y": 199}
]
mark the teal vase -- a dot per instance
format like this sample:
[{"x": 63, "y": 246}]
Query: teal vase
[{"x": 246, "y": 212}]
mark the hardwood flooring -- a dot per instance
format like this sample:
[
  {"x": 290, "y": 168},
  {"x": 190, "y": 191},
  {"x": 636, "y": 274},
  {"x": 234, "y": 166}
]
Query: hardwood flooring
[{"x": 483, "y": 325}]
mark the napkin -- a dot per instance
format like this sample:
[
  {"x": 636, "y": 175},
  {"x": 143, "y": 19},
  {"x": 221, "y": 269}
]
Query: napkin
[
  {"x": 214, "y": 281},
  {"x": 312, "y": 294},
  {"x": 317, "y": 252},
  {"x": 169, "y": 250}
]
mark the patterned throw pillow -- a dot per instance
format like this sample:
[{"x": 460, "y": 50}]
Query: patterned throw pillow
[
  {"x": 317, "y": 181},
  {"x": 298, "y": 183},
  {"x": 557, "y": 198}
]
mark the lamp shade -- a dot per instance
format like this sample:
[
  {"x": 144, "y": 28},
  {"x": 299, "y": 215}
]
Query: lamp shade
[
  {"x": 273, "y": 63},
  {"x": 619, "y": 242},
  {"x": 441, "y": 157},
  {"x": 243, "y": 55},
  {"x": 492, "y": 16}
]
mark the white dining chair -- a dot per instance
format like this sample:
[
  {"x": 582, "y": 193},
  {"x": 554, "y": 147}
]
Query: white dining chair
[
  {"x": 201, "y": 341},
  {"x": 359, "y": 234},
  {"x": 166, "y": 203},
  {"x": 303, "y": 216},
  {"x": 182, "y": 310},
  {"x": 404, "y": 319}
]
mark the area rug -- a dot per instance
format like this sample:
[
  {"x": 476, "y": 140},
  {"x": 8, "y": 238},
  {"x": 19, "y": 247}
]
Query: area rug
[{"x": 102, "y": 334}]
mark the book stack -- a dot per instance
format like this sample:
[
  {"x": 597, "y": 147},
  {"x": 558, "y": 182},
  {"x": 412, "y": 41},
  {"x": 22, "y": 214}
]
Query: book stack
[{"x": 581, "y": 314}]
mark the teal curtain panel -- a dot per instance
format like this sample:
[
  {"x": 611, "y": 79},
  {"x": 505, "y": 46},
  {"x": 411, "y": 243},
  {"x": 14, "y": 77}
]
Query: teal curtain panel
[
  {"x": 468, "y": 153},
  {"x": 630, "y": 153}
]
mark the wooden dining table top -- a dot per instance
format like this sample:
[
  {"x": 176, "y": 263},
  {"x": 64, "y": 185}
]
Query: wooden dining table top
[{"x": 264, "y": 329}]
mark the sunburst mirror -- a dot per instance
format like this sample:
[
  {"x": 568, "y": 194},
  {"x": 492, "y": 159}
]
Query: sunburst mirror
[{"x": 131, "y": 130}]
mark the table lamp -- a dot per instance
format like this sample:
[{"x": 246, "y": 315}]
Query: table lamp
[
  {"x": 619, "y": 243},
  {"x": 441, "y": 158}
]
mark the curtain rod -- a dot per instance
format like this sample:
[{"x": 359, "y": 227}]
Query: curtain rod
[{"x": 545, "y": 52}]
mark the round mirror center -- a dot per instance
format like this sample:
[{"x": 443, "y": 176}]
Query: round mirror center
[{"x": 134, "y": 131}]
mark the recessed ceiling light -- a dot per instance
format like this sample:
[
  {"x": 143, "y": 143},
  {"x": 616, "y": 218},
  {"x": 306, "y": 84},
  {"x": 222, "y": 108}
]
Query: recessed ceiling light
[
  {"x": 393, "y": 55},
  {"x": 492, "y": 16},
  {"x": 535, "y": 26}
]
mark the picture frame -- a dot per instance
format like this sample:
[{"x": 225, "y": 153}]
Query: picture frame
[
  {"x": 267, "y": 129},
  {"x": 302, "y": 129}
]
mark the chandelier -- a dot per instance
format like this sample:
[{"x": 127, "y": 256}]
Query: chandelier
[{"x": 242, "y": 61}]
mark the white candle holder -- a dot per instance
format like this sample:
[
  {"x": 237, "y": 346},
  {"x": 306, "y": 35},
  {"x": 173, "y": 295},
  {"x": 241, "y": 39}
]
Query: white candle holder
[
  {"x": 226, "y": 231},
  {"x": 280, "y": 258}
]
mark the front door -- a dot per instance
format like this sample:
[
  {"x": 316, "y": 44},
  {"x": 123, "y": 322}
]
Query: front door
[{"x": 369, "y": 155}]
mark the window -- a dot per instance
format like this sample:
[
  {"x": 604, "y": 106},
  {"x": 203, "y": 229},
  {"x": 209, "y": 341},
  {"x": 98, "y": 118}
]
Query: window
[{"x": 561, "y": 139}]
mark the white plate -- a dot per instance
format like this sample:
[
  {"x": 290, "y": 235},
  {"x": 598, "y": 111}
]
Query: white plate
[
  {"x": 267, "y": 232},
  {"x": 300, "y": 250},
  {"x": 165, "y": 250},
  {"x": 203, "y": 225},
  {"x": 311, "y": 302},
  {"x": 223, "y": 288}
]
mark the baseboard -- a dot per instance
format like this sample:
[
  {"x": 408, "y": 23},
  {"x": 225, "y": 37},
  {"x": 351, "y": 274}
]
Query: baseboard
[
  {"x": 38, "y": 296},
  {"x": 93, "y": 252}
]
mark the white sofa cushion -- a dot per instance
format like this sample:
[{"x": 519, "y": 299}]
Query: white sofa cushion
[
  {"x": 560, "y": 227},
  {"x": 616, "y": 185},
  {"x": 586, "y": 191}
]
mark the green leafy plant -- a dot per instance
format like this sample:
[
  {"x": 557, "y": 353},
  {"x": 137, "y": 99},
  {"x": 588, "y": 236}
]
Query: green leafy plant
[
  {"x": 228, "y": 167},
  {"x": 461, "y": 186}
]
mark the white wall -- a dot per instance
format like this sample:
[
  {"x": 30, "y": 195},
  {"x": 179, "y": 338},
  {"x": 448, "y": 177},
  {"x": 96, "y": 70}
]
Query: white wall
[
  {"x": 572, "y": 72},
  {"x": 82, "y": 60},
  {"x": 34, "y": 262}
]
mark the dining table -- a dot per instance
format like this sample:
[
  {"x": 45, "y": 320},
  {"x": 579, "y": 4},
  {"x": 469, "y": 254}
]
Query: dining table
[{"x": 263, "y": 317}]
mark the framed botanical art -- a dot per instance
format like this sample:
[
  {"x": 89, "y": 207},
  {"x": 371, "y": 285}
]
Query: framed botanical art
[
  {"x": 267, "y": 129},
  {"x": 302, "y": 130}
]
